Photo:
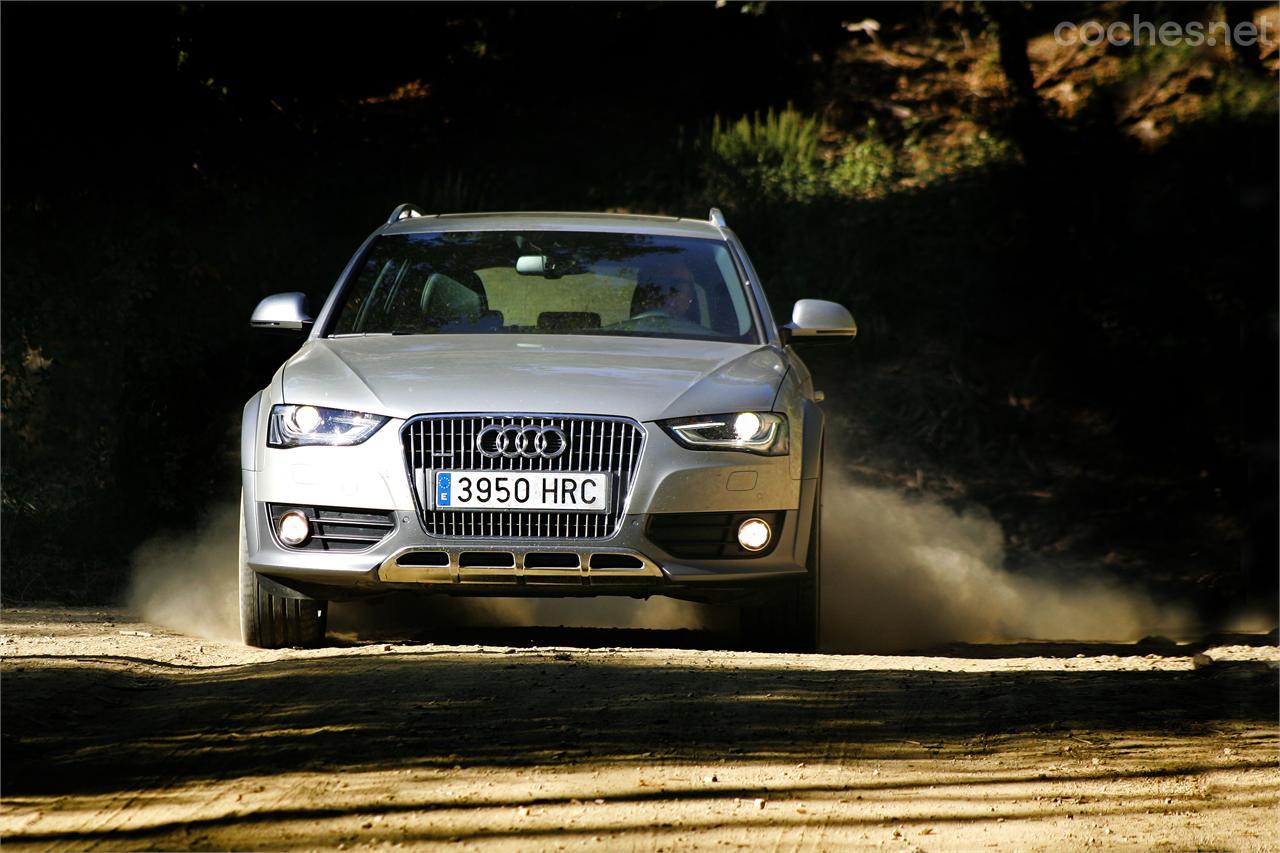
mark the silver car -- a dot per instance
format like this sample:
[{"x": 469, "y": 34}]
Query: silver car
[{"x": 537, "y": 404}]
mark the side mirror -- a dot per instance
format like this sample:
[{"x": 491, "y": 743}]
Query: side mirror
[
  {"x": 816, "y": 319},
  {"x": 282, "y": 311}
]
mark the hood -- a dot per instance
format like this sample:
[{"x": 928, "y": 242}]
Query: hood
[{"x": 641, "y": 378}]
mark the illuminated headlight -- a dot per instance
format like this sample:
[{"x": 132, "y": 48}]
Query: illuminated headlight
[
  {"x": 294, "y": 528},
  {"x": 755, "y": 432},
  {"x": 754, "y": 534},
  {"x": 296, "y": 426}
]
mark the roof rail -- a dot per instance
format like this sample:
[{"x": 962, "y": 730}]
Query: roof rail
[
  {"x": 717, "y": 218},
  {"x": 404, "y": 211}
]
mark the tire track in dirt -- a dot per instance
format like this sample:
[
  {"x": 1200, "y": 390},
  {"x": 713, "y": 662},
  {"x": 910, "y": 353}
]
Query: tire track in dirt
[{"x": 125, "y": 741}]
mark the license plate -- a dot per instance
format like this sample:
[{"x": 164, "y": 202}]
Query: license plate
[{"x": 522, "y": 490}]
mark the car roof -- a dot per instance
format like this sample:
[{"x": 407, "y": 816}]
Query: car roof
[{"x": 622, "y": 223}]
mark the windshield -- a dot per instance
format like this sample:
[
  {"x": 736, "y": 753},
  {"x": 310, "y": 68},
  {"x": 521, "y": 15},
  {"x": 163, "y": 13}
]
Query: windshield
[{"x": 552, "y": 282}]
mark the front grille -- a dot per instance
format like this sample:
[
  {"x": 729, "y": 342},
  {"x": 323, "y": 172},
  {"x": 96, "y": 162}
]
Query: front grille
[
  {"x": 336, "y": 529},
  {"x": 595, "y": 444}
]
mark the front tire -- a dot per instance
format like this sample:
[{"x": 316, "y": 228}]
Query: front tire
[
  {"x": 789, "y": 622},
  {"x": 272, "y": 621}
]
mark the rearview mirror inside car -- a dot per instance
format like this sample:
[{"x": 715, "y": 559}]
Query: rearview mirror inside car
[
  {"x": 531, "y": 264},
  {"x": 543, "y": 266}
]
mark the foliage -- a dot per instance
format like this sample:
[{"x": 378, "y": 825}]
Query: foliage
[
  {"x": 769, "y": 159},
  {"x": 780, "y": 158},
  {"x": 868, "y": 166},
  {"x": 1240, "y": 98}
]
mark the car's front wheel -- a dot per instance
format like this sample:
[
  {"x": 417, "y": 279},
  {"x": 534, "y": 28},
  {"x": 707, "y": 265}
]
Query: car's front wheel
[
  {"x": 788, "y": 621},
  {"x": 269, "y": 620}
]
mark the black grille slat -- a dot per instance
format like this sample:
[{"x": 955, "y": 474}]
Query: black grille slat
[
  {"x": 708, "y": 534},
  {"x": 596, "y": 444},
  {"x": 336, "y": 529}
]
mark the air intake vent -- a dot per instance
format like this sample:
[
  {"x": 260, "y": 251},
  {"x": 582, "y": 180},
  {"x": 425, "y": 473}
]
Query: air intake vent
[
  {"x": 615, "y": 561},
  {"x": 486, "y": 560},
  {"x": 438, "y": 559},
  {"x": 551, "y": 560},
  {"x": 337, "y": 529}
]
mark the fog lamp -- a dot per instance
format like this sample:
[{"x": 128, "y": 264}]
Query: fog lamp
[
  {"x": 754, "y": 534},
  {"x": 294, "y": 528}
]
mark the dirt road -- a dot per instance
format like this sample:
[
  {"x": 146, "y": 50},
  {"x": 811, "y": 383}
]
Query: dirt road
[{"x": 121, "y": 735}]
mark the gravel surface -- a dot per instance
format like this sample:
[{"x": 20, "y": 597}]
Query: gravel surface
[{"x": 123, "y": 735}]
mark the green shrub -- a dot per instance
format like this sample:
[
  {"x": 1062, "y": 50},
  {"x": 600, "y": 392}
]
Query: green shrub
[
  {"x": 779, "y": 159},
  {"x": 867, "y": 167},
  {"x": 770, "y": 159},
  {"x": 961, "y": 153}
]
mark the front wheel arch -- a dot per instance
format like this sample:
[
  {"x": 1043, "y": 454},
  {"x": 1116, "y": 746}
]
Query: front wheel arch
[{"x": 269, "y": 620}]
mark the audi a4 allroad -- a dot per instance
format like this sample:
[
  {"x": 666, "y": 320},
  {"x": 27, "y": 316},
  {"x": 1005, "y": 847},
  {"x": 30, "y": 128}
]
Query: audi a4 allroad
[{"x": 537, "y": 404}]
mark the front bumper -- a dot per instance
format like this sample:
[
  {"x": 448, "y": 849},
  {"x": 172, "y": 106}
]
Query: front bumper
[
  {"x": 627, "y": 563},
  {"x": 670, "y": 479}
]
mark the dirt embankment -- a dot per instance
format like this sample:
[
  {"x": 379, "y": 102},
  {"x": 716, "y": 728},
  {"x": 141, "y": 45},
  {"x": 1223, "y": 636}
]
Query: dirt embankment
[{"x": 122, "y": 735}]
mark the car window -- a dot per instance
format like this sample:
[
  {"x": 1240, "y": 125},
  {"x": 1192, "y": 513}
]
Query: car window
[{"x": 558, "y": 282}]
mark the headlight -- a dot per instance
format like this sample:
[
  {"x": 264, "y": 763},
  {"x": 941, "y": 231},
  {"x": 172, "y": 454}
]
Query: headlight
[
  {"x": 297, "y": 426},
  {"x": 755, "y": 432}
]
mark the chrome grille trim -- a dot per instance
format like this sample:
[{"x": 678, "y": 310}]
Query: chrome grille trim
[
  {"x": 446, "y": 566},
  {"x": 596, "y": 444}
]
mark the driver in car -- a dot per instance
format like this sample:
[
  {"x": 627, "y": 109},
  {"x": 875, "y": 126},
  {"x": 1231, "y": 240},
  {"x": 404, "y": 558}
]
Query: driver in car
[{"x": 667, "y": 291}]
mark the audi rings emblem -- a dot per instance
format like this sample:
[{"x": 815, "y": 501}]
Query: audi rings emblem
[{"x": 528, "y": 441}]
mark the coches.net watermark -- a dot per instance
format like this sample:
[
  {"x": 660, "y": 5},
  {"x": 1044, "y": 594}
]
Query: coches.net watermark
[{"x": 1169, "y": 34}]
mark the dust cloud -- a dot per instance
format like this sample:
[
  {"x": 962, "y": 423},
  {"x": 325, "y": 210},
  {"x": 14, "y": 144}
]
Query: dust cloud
[
  {"x": 656, "y": 613},
  {"x": 189, "y": 583},
  {"x": 902, "y": 573},
  {"x": 407, "y": 615},
  {"x": 898, "y": 573}
]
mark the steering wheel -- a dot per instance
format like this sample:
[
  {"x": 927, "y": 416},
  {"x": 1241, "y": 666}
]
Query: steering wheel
[{"x": 654, "y": 313}]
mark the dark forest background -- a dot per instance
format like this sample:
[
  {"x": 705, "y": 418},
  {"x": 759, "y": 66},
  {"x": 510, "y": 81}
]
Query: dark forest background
[{"x": 1063, "y": 260}]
